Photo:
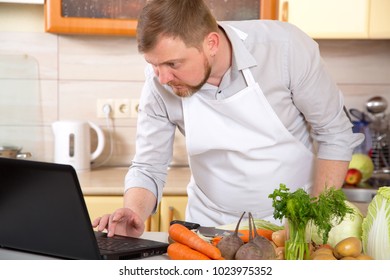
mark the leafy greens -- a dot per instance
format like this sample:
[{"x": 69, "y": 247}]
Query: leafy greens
[
  {"x": 376, "y": 226},
  {"x": 299, "y": 208}
]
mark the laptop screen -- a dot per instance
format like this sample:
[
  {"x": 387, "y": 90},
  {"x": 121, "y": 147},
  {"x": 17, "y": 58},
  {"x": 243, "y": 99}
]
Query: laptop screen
[{"x": 42, "y": 210}]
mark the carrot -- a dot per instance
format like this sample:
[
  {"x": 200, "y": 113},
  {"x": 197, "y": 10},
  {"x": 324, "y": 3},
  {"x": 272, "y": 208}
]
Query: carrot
[
  {"x": 215, "y": 240},
  {"x": 267, "y": 233},
  {"x": 183, "y": 235},
  {"x": 178, "y": 251}
]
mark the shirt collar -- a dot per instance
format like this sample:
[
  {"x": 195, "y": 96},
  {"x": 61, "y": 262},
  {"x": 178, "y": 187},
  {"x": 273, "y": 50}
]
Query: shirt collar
[{"x": 241, "y": 57}]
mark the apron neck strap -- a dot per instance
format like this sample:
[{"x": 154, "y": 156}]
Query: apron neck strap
[
  {"x": 248, "y": 77},
  {"x": 247, "y": 73}
]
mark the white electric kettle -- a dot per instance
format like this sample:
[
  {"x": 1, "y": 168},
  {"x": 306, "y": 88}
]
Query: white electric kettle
[{"x": 72, "y": 143}]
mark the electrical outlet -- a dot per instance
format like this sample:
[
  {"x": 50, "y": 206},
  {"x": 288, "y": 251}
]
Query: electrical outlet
[
  {"x": 122, "y": 108},
  {"x": 118, "y": 108},
  {"x": 134, "y": 108},
  {"x": 101, "y": 107}
]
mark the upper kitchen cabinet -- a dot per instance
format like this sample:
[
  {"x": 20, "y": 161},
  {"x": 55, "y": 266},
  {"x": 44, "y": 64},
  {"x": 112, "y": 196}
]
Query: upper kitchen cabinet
[
  {"x": 23, "y": 1},
  {"x": 379, "y": 19},
  {"x": 113, "y": 17},
  {"x": 334, "y": 19}
]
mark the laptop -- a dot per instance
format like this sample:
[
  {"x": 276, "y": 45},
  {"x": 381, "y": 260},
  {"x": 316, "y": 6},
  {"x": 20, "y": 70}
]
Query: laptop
[{"x": 42, "y": 211}]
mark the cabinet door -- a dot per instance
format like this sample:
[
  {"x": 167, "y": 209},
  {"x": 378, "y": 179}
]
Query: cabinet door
[
  {"x": 172, "y": 208},
  {"x": 328, "y": 18},
  {"x": 101, "y": 205},
  {"x": 23, "y": 1},
  {"x": 380, "y": 19}
]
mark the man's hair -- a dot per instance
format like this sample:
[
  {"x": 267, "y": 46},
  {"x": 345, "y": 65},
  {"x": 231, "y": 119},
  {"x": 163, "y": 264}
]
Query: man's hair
[{"x": 189, "y": 20}]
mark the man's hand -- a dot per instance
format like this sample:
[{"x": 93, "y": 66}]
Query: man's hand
[{"x": 123, "y": 222}]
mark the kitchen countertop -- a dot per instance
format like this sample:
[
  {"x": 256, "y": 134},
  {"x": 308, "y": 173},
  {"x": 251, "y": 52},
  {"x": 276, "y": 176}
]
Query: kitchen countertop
[{"x": 110, "y": 181}]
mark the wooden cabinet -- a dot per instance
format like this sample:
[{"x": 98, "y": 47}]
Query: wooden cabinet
[
  {"x": 172, "y": 208},
  {"x": 379, "y": 19},
  {"x": 100, "y": 205},
  {"x": 23, "y": 1},
  {"x": 328, "y": 18},
  {"x": 347, "y": 19},
  {"x": 103, "y": 194}
]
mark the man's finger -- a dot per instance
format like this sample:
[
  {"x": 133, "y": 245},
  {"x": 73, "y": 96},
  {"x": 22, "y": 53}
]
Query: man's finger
[
  {"x": 96, "y": 222},
  {"x": 115, "y": 218},
  {"x": 103, "y": 223}
]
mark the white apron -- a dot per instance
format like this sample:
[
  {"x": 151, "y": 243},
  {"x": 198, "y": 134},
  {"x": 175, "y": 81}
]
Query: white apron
[{"x": 239, "y": 152}]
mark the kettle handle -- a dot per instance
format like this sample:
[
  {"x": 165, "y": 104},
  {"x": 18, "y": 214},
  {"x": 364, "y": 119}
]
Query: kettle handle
[{"x": 101, "y": 141}]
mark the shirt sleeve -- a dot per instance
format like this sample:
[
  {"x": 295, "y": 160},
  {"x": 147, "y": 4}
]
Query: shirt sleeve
[
  {"x": 154, "y": 143},
  {"x": 319, "y": 99}
]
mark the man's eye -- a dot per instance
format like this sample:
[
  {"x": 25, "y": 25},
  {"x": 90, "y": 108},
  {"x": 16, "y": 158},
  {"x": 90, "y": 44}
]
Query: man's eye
[{"x": 173, "y": 64}]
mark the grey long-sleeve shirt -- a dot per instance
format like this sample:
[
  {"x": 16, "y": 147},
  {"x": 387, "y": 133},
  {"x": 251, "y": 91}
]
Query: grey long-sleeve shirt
[{"x": 287, "y": 65}]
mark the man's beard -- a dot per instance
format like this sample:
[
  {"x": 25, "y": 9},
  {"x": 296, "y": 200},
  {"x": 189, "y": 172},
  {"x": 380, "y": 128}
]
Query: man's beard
[{"x": 187, "y": 90}]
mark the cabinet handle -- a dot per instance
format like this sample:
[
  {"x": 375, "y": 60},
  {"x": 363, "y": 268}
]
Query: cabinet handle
[
  {"x": 148, "y": 224},
  {"x": 171, "y": 212},
  {"x": 285, "y": 11}
]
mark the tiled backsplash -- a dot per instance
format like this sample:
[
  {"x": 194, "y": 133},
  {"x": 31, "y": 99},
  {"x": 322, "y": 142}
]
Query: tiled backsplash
[
  {"x": 361, "y": 68},
  {"x": 75, "y": 71}
]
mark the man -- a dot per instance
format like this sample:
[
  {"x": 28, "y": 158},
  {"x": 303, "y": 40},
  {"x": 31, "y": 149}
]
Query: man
[{"x": 257, "y": 108}]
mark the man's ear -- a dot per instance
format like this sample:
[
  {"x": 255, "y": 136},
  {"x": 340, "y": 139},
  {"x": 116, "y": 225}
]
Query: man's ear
[{"x": 212, "y": 43}]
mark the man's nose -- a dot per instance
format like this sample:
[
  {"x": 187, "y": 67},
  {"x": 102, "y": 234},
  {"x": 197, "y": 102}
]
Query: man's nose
[{"x": 164, "y": 75}]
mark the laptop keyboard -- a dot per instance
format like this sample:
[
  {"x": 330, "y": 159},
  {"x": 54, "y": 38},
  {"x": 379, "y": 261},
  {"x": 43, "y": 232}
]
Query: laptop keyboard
[{"x": 109, "y": 244}]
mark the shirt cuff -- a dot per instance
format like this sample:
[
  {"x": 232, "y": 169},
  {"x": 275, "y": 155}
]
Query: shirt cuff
[
  {"x": 333, "y": 152},
  {"x": 136, "y": 179}
]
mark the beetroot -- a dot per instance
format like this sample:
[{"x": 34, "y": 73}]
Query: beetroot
[
  {"x": 268, "y": 250},
  {"x": 229, "y": 245},
  {"x": 258, "y": 247}
]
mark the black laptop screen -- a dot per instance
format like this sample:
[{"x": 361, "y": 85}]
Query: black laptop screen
[{"x": 35, "y": 212}]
